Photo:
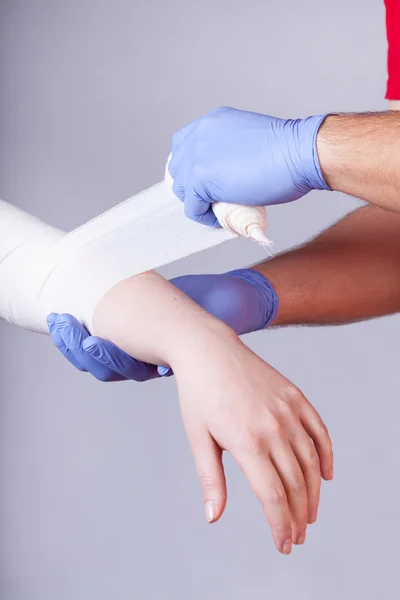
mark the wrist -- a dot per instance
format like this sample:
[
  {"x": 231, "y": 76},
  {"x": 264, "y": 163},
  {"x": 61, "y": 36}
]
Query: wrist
[
  {"x": 195, "y": 342},
  {"x": 354, "y": 151},
  {"x": 331, "y": 158},
  {"x": 153, "y": 321},
  {"x": 305, "y": 133}
]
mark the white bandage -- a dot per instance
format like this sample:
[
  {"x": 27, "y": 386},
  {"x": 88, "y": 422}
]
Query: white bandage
[{"x": 43, "y": 270}]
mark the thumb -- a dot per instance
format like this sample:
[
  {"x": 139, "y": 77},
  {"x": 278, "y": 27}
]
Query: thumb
[{"x": 210, "y": 469}]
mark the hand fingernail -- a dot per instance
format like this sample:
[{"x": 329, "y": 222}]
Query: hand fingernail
[
  {"x": 287, "y": 546},
  {"x": 210, "y": 510},
  {"x": 301, "y": 538},
  {"x": 330, "y": 473}
]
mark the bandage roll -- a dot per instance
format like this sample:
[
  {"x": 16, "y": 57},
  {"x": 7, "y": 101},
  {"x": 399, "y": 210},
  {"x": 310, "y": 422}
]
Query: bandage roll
[{"x": 242, "y": 220}]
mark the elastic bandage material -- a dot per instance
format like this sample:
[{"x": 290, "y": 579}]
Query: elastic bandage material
[{"x": 44, "y": 270}]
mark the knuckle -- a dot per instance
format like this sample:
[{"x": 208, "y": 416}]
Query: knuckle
[
  {"x": 297, "y": 485},
  {"x": 282, "y": 529},
  {"x": 291, "y": 393},
  {"x": 276, "y": 496},
  {"x": 275, "y": 427},
  {"x": 285, "y": 409},
  {"x": 252, "y": 443},
  {"x": 206, "y": 482},
  {"x": 313, "y": 459},
  {"x": 245, "y": 434},
  {"x": 322, "y": 431}
]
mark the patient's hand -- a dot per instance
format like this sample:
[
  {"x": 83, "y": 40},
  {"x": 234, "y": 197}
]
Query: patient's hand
[{"x": 232, "y": 400}]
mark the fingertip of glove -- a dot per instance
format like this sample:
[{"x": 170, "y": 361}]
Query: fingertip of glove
[
  {"x": 50, "y": 319},
  {"x": 65, "y": 320},
  {"x": 208, "y": 218},
  {"x": 164, "y": 371},
  {"x": 90, "y": 345}
]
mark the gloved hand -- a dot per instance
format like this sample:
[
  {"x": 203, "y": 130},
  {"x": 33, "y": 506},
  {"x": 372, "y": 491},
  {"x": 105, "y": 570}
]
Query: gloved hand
[
  {"x": 103, "y": 359},
  {"x": 244, "y": 158},
  {"x": 244, "y": 299}
]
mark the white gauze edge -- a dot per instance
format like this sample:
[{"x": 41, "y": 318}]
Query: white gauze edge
[{"x": 44, "y": 270}]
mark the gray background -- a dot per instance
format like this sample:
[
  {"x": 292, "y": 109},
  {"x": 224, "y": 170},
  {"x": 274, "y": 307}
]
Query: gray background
[{"x": 98, "y": 494}]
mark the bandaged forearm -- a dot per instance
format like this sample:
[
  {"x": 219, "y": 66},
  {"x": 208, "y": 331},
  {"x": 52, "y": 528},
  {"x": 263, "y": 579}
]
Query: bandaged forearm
[{"x": 44, "y": 270}]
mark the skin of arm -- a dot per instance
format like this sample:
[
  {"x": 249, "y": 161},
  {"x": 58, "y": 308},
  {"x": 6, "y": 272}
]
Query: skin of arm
[
  {"x": 359, "y": 155},
  {"x": 349, "y": 272},
  {"x": 230, "y": 400}
]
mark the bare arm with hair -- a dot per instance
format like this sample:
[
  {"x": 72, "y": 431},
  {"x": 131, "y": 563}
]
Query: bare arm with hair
[
  {"x": 349, "y": 272},
  {"x": 360, "y": 155}
]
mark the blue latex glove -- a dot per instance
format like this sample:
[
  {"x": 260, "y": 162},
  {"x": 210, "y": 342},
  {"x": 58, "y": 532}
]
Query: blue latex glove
[
  {"x": 103, "y": 359},
  {"x": 244, "y": 158},
  {"x": 243, "y": 299}
]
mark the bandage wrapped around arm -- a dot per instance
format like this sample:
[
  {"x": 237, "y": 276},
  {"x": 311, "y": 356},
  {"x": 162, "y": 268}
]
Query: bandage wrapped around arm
[
  {"x": 27, "y": 248},
  {"x": 44, "y": 270}
]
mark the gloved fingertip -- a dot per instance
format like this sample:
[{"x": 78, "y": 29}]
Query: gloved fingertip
[
  {"x": 215, "y": 222},
  {"x": 206, "y": 218},
  {"x": 91, "y": 347},
  {"x": 50, "y": 319},
  {"x": 209, "y": 219},
  {"x": 62, "y": 320},
  {"x": 164, "y": 371}
]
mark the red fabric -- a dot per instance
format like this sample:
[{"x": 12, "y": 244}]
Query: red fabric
[{"x": 393, "y": 37}]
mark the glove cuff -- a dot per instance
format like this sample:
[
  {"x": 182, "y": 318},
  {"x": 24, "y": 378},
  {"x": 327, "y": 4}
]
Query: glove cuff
[
  {"x": 265, "y": 293},
  {"x": 309, "y": 128}
]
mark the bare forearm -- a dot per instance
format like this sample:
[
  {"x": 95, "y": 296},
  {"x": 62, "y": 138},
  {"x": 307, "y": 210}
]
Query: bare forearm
[
  {"x": 348, "y": 273},
  {"x": 360, "y": 155},
  {"x": 150, "y": 319}
]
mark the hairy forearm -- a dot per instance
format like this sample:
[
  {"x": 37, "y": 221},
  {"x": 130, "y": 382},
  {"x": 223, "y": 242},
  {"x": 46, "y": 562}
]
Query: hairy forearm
[
  {"x": 349, "y": 272},
  {"x": 150, "y": 319},
  {"x": 359, "y": 155}
]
